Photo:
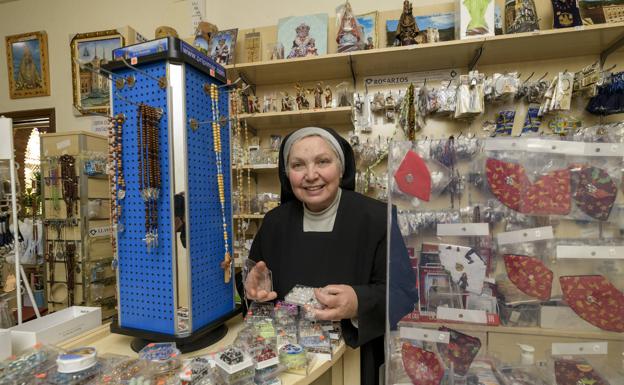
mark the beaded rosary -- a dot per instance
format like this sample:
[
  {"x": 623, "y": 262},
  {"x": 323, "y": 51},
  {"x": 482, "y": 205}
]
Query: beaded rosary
[
  {"x": 216, "y": 136},
  {"x": 52, "y": 181},
  {"x": 70, "y": 184},
  {"x": 70, "y": 257},
  {"x": 117, "y": 181},
  {"x": 239, "y": 171},
  {"x": 148, "y": 119}
]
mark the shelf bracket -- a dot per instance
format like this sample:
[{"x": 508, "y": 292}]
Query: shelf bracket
[
  {"x": 612, "y": 48},
  {"x": 352, "y": 70},
  {"x": 475, "y": 58}
]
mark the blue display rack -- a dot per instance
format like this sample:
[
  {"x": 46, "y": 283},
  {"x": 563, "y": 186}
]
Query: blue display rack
[{"x": 171, "y": 75}]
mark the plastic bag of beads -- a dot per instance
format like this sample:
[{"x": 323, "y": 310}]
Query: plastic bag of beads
[
  {"x": 234, "y": 365},
  {"x": 260, "y": 310},
  {"x": 285, "y": 312},
  {"x": 120, "y": 371},
  {"x": 161, "y": 357},
  {"x": 303, "y": 296},
  {"x": 24, "y": 369},
  {"x": 76, "y": 367}
]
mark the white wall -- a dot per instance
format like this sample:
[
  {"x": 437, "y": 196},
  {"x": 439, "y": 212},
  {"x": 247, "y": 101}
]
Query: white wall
[
  {"x": 63, "y": 18},
  {"x": 245, "y": 14}
]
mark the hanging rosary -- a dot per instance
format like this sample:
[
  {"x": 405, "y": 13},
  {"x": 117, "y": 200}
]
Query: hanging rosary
[
  {"x": 70, "y": 184},
  {"x": 52, "y": 180},
  {"x": 148, "y": 119},
  {"x": 70, "y": 259},
  {"x": 216, "y": 136},
  {"x": 117, "y": 181}
]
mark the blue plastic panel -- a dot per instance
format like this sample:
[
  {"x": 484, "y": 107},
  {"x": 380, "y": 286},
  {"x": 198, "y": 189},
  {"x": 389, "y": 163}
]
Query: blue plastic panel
[
  {"x": 145, "y": 279},
  {"x": 211, "y": 297}
]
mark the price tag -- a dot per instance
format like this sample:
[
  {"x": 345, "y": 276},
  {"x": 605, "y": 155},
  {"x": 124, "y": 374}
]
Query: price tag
[
  {"x": 463, "y": 229},
  {"x": 526, "y": 235},
  {"x": 429, "y": 335}
]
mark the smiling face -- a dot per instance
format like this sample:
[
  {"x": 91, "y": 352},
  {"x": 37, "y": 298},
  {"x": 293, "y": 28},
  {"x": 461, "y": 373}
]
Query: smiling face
[{"x": 314, "y": 172}]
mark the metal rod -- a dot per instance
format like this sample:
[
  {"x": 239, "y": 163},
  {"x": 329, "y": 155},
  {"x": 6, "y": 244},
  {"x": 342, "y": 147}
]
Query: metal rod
[
  {"x": 475, "y": 58},
  {"x": 118, "y": 95},
  {"x": 140, "y": 71},
  {"x": 612, "y": 48}
]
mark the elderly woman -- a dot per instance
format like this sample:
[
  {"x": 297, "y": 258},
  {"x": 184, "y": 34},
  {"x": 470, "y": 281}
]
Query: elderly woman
[{"x": 327, "y": 236}]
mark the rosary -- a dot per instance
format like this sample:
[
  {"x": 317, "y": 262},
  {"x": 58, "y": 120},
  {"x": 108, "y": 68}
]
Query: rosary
[
  {"x": 216, "y": 136},
  {"x": 148, "y": 119},
  {"x": 117, "y": 181},
  {"x": 52, "y": 181},
  {"x": 70, "y": 184},
  {"x": 70, "y": 257}
]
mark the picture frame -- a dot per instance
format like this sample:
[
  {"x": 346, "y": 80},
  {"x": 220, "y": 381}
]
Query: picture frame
[
  {"x": 303, "y": 36},
  {"x": 89, "y": 51},
  {"x": 443, "y": 22},
  {"x": 27, "y": 64},
  {"x": 368, "y": 23},
  {"x": 223, "y": 46}
]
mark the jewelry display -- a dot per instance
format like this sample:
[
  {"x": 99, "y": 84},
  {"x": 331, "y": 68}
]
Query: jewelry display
[
  {"x": 148, "y": 120},
  {"x": 67, "y": 164},
  {"x": 117, "y": 182},
  {"x": 226, "y": 264}
]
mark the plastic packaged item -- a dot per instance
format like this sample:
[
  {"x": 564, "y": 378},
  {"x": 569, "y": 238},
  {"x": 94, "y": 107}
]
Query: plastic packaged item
[
  {"x": 197, "y": 371},
  {"x": 302, "y": 296},
  {"x": 314, "y": 339},
  {"x": 294, "y": 358},
  {"x": 260, "y": 280},
  {"x": 260, "y": 310},
  {"x": 235, "y": 365},
  {"x": 286, "y": 333},
  {"x": 161, "y": 357},
  {"x": 121, "y": 371},
  {"x": 75, "y": 367},
  {"x": 285, "y": 312}
]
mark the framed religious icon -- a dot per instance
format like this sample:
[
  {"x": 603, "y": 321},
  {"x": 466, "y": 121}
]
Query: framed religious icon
[
  {"x": 27, "y": 63},
  {"x": 223, "y": 46},
  {"x": 303, "y": 36},
  {"x": 368, "y": 23},
  {"x": 89, "y": 51},
  {"x": 253, "y": 46}
]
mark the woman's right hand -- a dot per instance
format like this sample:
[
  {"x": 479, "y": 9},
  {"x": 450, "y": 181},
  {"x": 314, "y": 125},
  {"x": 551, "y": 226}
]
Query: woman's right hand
[{"x": 256, "y": 287}]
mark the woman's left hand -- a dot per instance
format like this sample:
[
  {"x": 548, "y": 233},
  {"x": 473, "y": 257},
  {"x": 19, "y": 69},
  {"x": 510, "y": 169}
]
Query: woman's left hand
[{"x": 340, "y": 302}]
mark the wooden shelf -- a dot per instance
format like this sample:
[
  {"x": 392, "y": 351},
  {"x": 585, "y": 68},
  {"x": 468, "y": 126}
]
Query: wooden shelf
[
  {"x": 258, "y": 168},
  {"x": 248, "y": 216},
  {"x": 297, "y": 119},
  {"x": 529, "y": 46},
  {"x": 535, "y": 331}
]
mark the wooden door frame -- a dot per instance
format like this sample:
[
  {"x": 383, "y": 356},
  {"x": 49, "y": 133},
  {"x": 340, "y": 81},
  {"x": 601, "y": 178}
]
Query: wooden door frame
[{"x": 39, "y": 113}]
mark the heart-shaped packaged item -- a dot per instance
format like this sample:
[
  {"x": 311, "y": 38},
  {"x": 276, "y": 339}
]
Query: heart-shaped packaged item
[
  {"x": 548, "y": 195},
  {"x": 423, "y": 367},
  {"x": 595, "y": 299},
  {"x": 413, "y": 177},
  {"x": 530, "y": 275},
  {"x": 460, "y": 351},
  {"x": 577, "y": 372},
  {"x": 594, "y": 191}
]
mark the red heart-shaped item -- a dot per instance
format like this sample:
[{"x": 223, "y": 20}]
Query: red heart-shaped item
[
  {"x": 529, "y": 275},
  {"x": 413, "y": 177},
  {"x": 422, "y": 366}
]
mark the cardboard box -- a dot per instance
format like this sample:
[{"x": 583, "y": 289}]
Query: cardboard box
[
  {"x": 56, "y": 327},
  {"x": 5, "y": 344}
]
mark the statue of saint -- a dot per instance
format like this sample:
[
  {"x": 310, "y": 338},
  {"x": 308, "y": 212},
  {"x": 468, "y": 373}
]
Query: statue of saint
[
  {"x": 349, "y": 34},
  {"x": 407, "y": 30}
]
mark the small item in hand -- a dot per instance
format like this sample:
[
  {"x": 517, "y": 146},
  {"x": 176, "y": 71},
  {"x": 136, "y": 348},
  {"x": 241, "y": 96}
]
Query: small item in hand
[{"x": 261, "y": 280}]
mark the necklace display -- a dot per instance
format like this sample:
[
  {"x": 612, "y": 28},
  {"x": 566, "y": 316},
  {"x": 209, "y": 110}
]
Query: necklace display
[
  {"x": 70, "y": 259},
  {"x": 52, "y": 181},
  {"x": 239, "y": 173},
  {"x": 70, "y": 184},
  {"x": 148, "y": 119},
  {"x": 216, "y": 136},
  {"x": 116, "y": 178}
]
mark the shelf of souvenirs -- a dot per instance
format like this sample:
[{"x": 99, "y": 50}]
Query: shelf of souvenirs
[
  {"x": 527, "y": 330},
  {"x": 549, "y": 44},
  {"x": 258, "y": 168},
  {"x": 248, "y": 216},
  {"x": 319, "y": 117}
]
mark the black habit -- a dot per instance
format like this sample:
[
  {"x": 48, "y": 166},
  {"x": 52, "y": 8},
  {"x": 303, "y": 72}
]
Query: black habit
[{"x": 354, "y": 254}]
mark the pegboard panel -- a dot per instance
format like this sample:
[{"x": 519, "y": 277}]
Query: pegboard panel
[
  {"x": 211, "y": 297},
  {"x": 145, "y": 278}
]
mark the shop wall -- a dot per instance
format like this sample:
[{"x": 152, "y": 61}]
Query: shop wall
[{"x": 63, "y": 18}]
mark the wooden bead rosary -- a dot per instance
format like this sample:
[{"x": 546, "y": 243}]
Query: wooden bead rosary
[
  {"x": 117, "y": 181},
  {"x": 70, "y": 184},
  {"x": 226, "y": 264}
]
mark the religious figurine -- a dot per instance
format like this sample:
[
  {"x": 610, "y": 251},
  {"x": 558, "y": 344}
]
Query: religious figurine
[
  {"x": 254, "y": 104},
  {"x": 318, "y": 95},
  {"x": 433, "y": 35},
  {"x": 287, "y": 103},
  {"x": 304, "y": 44},
  {"x": 222, "y": 52},
  {"x": 349, "y": 33},
  {"x": 328, "y": 97},
  {"x": 369, "y": 43},
  {"x": 343, "y": 95},
  {"x": 521, "y": 16},
  {"x": 407, "y": 30},
  {"x": 302, "y": 101},
  {"x": 28, "y": 75},
  {"x": 277, "y": 51}
]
